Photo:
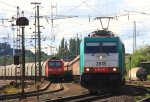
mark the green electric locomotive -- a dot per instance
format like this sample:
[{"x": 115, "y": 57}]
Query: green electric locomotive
[{"x": 102, "y": 62}]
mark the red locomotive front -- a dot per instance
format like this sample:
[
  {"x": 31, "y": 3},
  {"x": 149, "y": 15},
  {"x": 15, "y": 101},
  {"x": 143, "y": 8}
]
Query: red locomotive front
[{"x": 54, "y": 68}]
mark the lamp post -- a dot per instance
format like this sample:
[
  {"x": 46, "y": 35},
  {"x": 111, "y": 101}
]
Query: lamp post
[{"x": 22, "y": 21}]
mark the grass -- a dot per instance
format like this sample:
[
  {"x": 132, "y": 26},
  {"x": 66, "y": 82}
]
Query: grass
[
  {"x": 12, "y": 90},
  {"x": 137, "y": 98},
  {"x": 148, "y": 89}
]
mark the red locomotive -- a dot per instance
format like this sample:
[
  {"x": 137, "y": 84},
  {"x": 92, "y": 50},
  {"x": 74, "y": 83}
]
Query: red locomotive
[
  {"x": 54, "y": 68},
  {"x": 57, "y": 69}
]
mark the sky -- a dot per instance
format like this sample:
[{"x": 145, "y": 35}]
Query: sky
[{"x": 74, "y": 18}]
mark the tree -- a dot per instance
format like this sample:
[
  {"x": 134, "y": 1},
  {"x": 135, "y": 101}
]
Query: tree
[
  {"x": 78, "y": 46},
  {"x": 140, "y": 55},
  {"x": 69, "y": 53},
  {"x": 72, "y": 46},
  {"x": 66, "y": 45},
  {"x": 62, "y": 43}
]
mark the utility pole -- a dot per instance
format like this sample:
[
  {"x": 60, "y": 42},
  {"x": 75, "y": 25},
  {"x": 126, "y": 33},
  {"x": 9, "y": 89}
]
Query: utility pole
[
  {"x": 52, "y": 21},
  {"x": 5, "y": 57},
  {"x": 134, "y": 36},
  {"x": 130, "y": 68},
  {"x": 39, "y": 44},
  {"x": 35, "y": 3},
  {"x": 13, "y": 31},
  {"x": 5, "y": 60}
]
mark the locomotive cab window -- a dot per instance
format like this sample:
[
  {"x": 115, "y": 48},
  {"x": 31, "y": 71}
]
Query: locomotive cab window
[
  {"x": 54, "y": 64},
  {"x": 100, "y": 47},
  {"x": 92, "y": 47},
  {"x": 58, "y": 64},
  {"x": 109, "y": 47}
]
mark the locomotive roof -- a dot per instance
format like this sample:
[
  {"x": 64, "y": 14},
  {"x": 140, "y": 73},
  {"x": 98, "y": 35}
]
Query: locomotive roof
[
  {"x": 54, "y": 58},
  {"x": 102, "y": 38},
  {"x": 101, "y": 33}
]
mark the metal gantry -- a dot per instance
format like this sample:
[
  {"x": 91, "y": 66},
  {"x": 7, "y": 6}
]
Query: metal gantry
[
  {"x": 35, "y": 25},
  {"x": 38, "y": 68},
  {"x": 17, "y": 53}
]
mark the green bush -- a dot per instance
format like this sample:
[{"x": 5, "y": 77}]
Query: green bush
[{"x": 148, "y": 77}]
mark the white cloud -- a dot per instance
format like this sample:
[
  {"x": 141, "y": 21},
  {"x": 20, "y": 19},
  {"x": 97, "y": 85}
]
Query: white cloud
[{"x": 137, "y": 3}]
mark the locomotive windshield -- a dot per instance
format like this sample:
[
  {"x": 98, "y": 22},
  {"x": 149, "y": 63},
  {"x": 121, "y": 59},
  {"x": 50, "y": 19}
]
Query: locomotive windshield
[
  {"x": 109, "y": 47},
  {"x": 92, "y": 47},
  {"x": 54, "y": 64},
  {"x": 100, "y": 47}
]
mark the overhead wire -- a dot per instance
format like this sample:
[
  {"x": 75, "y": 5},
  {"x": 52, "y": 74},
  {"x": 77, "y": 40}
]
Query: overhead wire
[
  {"x": 16, "y": 7},
  {"x": 74, "y": 8},
  {"x": 83, "y": 2},
  {"x": 91, "y": 7}
]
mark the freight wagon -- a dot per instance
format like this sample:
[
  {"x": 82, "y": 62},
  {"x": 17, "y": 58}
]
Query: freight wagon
[
  {"x": 137, "y": 73},
  {"x": 14, "y": 71}
]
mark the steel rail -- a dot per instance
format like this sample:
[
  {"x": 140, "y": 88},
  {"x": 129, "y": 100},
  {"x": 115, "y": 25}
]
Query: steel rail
[
  {"x": 78, "y": 98},
  {"x": 27, "y": 94}
]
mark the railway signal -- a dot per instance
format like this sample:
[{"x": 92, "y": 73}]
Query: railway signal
[{"x": 22, "y": 21}]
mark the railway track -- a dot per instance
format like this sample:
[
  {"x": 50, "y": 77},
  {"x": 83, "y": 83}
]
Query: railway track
[
  {"x": 78, "y": 98},
  {"x": 3, "y": 84},
  {"x": 61, "y": 88},
  {"x": 126, "y": 93},
  {"x": 43, "y": 91},
  {"x": 145, "y": 100},
  {"x": 2, "y": 87},
  {"x": 56, "y": 94},
  {"x": 27, "y": 94}
]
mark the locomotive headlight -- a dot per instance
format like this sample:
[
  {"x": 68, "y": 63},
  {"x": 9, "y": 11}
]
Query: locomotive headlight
[
  {"x": 87, "y": 69},
  {"x": 100, "y": 57},
  {"x": 114, "y": 69}
]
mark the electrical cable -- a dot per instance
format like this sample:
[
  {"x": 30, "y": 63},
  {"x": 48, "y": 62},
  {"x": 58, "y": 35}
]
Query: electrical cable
[{"x": 91, "y": 7}]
